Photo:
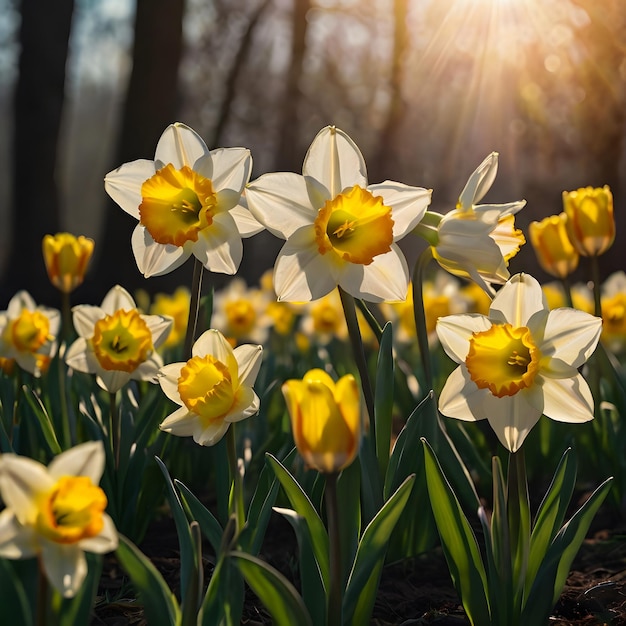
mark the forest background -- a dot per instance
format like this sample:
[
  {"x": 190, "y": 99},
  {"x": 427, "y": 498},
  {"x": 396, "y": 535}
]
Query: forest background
[{"x": 426, "y": 88}]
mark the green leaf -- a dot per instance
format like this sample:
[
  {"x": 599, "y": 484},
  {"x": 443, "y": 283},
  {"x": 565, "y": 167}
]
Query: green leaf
[
  {"x": 160, "y": 606},
  {"x": 458, "y": 542},
  {"x": 277, "y": 594},
  {"x": 16, "y": 608},
  {"x": 302, "y": 505},
  {"x": 43, "y": 418},
  {"x": 349, "y": 507},
  {"x": 383, "y": 399},
  {"x": 372, "y": 549}
]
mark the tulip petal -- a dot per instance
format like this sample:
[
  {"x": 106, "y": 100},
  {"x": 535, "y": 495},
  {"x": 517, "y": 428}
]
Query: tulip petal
[
  {"x": 408, "y": 204},
  {"x": 85, "y": 459},
  {"x": 124, "y": 184},
  {"x": 180, "y": 146}
]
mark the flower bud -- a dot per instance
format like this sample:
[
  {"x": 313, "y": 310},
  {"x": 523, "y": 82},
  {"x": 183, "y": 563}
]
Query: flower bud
[
  {"x": 66, "y": 258},
  {"x": 554, "y": 250}
]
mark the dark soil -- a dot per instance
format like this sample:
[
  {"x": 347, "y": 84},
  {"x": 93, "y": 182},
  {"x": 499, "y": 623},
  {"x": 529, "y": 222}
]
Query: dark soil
[{"x": 415, "y": 592}]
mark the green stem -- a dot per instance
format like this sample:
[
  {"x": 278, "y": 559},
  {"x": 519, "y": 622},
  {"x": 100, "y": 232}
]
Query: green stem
[
  {"x": 236, "y": 501},
  {"x": 194, "y": 307},
  {"x": 66, "y": 317},
  {"x": 595, "y": 277},
  {"x": 567, "y": 290},
  {"x": 420, "y": 315},
  {"x": 335, "y": 596},
  {"x": 116, "y": 428},
  {"x": 65, "y": 418},
  {"x": 349, "y": 310},
  {"x": 370, "y": 319}
]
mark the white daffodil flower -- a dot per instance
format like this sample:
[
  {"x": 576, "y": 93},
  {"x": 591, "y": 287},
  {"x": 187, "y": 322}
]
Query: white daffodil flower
[
  {"x": 28, "y": 334},
  {"x": 475, "y": 240},
  {"x": 188, "y": 201},
  {"x": 56, "y": 513},
  {"x": 213, "y": 388},
  {"x": 519, "y": 362},
  {"x": 116, "y": 342},
  {"x": 338, "y": 229}
]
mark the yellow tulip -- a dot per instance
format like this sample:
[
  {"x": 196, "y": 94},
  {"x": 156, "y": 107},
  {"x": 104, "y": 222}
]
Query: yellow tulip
[
  {"x": 555, "y": 252},
  {"x": 325, "y": 419},
  {"x": 66, "y": 258},
  {"x": 590, "y": 222}
]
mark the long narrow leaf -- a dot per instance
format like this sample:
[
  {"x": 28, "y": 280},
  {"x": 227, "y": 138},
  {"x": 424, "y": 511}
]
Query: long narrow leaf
[
  {"x": 43, "y": 418},
  {"x": 383, "y": 399}
]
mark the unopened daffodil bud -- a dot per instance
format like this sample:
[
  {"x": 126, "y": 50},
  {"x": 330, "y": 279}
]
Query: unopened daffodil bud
[
  {"x": 66, "y": 258},
  {"x": 590, "y": 222},
  {"x": 555, "y": 252},
  {"x": 325, "y": 419}
]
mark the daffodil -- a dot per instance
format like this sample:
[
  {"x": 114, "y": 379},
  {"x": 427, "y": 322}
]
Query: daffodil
[
  {"x": 188, "y": 201},
  {"x": 325, "y": 419},
  {"x": 116, "y": 342},
  {"x": 590, "y": 222},
  {"x": 213, "y": 388},
  {"x": 56, "y": 513},
  {"x": 66, "y": 258},
  {"x": 614, "y": 312},
  {"x": 553, "y": 248},
  {"x": 28, "y": 334},
  {"x": 175, "y": 306},
  {"x": 476, "y": 241},
  {"x": 338, "y": 229},
  {"x": 519, "y": 362}
]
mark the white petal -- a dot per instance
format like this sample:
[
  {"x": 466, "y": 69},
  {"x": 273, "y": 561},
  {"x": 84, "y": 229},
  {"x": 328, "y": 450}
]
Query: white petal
[
  {"x": 280, "y": 201},
  {"x": 149, "y": 369},
  {"x": 65, "y": 566},
  {"x": 85, "y": 459},
  {"x": 385, "y": 278},
  {"x": 159, "y": 327},
  {"x": 168, "y": 379},
  {"x": 455, "y": 332},
  {"x": 21, "y": 480},
  {"x": 124, "y": 184},
  {"x": 219, "y": 247},
  {"x": 155, "y": 259},
  {"x": 571, "y": 336},
  {"x": 17, "y": 541},
  {"x": 301, "y": 273},
  {"x": 112, "y": 380},
  {"x": 461, "y": 398},
  {"x": 105, "y": 541},
  {"x": 214, "y": 343},
  {"x": 247, "y": 405},
  {"x": 568, "y": 400},
  {"x": 21, "y": 300},
  {"x": 508, "y": 208},
  {"x": 85, "y": 317},
  {"x": 181, "y": 423},
  {"x": 408, "y": 205},
  {"x": 231, "y": 168},
  {"x": 511, "y": 418},
  {"x": 249, "y": 358},
  {"x": 210, "y": 435},
  {"x": 247, "y": 225},
  {"x": 480, "y": 181},
  {"x": 80, "y": 356},
  {"x": 334, "y": 160},
  {"x": 179, "y": 145},
  {"x": 518, "y": 300},
  {"x": 116, "y": 299}
]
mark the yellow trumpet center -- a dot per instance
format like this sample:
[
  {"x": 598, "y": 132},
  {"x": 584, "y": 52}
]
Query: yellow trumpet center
[
  {"x": 356, "y": 225},
  {"x": 206, "y": 387},
  {"x": 241, "y": 317},
  {"x": 29, "y": 331},
  {"x": 176, "y": 205},
  {"x": 503, "y": 359},
  {"x": 72, "y": 510},
  {"x": 122, "y": 341}
]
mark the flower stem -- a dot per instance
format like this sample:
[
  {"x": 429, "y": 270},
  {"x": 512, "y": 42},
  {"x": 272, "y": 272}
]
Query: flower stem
[
  {"x": 420, "y": 315},
  {"x": 115, "y": 427},
  {"x": 335, "y": 596},
  {"x": 236, "y": 486},
  {"x": 194, "y": 307},
  {"x": 358, "y": 352},
  {"x": 567, "y": 289},
  {"x": 595, "y": 277}
]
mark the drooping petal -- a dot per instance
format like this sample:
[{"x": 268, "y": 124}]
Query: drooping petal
[
  {"x": 461, "y": 398},
  {"x": 211, "y": 434},
  {"x": 16, "y": 540},
  {"x": 479, "y": 182},
  {"x": 155, "y": 259},
  {"x": 231, "y": 168},
  {"x": 249, "y": 358},
  {"x": 567, "y": 399},
  {"x": 85, "y": 459},
  {"x": 112, "y": 380},
  {"x": 518, "y": 300},
  {"x": 385, "y": 278},
  {"x": 213, "y": 342},
  {"x": 65, "y": 566},
  {"x": 334, "y": 160},
  {"x": 117, "y": 298},
  {"x": 219, "y": 247},
  {"x": 408, "y": 204},
  {"x": 124, "y": 184},
  {"x": 301, "y": 273},
  {"x": 168, "y": 379},
  {"x": 280, "y": 201},
  {"x": 571, "y": 336},
  {"x": 246, "y": 405},
  {"x": 511, "y": 418},
  {"x": 181, "y": 423},
  {"x": 455, "y": 332},
  {"x": 105, "y": 541},
  {"x": 179, "y": 145}
]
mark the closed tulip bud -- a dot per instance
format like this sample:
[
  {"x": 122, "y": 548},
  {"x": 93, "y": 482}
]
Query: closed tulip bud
[
  {"x": 555, "y": 252},
  {"x": 325, "y": 419},
  {"x": 66, "y": 258},
  {"x": 590, "y": 222}
]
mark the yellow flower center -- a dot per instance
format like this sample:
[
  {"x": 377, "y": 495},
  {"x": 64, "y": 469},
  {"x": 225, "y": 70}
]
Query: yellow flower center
[
  {"x": 206, "y": 387},
  {"x": 241, "y": 317},
  {"x": 356, "y": 225},
  {"x": 176, "y": 205},
  {"x": 327, "y": 318},
  {"x": 72, "y": 510},
  {"x": 503, "y": 359},
  {"x": 122, "y": 341},
  {"x": 29, "y": 331}
]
